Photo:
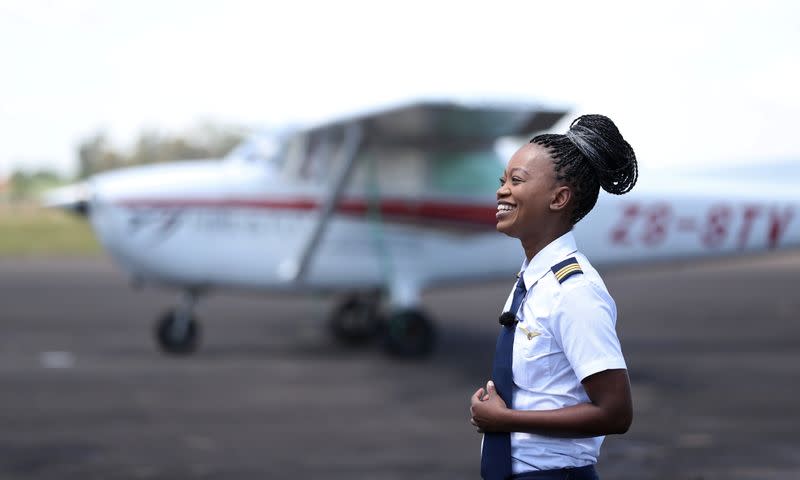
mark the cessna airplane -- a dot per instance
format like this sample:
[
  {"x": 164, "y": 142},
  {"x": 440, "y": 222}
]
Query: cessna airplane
[{"x": 387, "y": 204}]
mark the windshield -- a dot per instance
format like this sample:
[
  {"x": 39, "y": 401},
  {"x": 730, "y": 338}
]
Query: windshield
[{"x": 262, "y": 149}]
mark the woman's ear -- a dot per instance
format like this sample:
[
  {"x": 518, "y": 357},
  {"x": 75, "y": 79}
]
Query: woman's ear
[{"x": 560, "y": 198}]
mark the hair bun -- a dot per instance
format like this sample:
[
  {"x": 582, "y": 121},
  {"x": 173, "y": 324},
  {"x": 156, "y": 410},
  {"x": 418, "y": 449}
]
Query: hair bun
[{"x": 611, "y": 157}]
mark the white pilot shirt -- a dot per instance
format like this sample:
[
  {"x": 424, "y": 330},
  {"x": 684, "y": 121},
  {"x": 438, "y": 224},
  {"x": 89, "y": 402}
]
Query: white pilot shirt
[{"x": 566, "y": 332}]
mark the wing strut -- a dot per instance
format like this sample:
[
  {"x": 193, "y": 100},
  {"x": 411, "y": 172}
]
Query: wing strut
[{"x": 294, "y": 269}]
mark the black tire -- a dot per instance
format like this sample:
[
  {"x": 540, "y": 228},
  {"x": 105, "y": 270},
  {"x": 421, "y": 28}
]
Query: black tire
[
  {"x": 355, "y": 322},
  {"x": 410, "y": 334},
  {"x": 184, "y": 343}
]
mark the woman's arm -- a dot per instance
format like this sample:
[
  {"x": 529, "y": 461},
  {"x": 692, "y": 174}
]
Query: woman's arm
[{"x": 610, "y": 410}]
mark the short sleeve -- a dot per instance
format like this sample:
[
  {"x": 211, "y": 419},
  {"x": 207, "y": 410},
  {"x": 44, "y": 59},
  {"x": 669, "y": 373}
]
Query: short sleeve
[{"x": 585, "y": 330}]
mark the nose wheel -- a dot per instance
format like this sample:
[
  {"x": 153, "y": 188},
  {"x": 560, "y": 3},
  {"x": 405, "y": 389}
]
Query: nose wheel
[{"x": 177, "y": 331}]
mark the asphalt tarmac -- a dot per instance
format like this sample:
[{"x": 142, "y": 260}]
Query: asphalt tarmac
[{"x": 713, "y": 351}]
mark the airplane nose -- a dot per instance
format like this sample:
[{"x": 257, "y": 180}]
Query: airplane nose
[{"x": 71, "y": 198}]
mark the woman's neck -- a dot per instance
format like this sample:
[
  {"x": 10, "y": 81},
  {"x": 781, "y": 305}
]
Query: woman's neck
[{"x": 533, "y": 246}]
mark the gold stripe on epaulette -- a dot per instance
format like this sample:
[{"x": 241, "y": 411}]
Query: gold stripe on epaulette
[
  {"x": 568, "y": 269},
  {"x": 565, "y": 275}
]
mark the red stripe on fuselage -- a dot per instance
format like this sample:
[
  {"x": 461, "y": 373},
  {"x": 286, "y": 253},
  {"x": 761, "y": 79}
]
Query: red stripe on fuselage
[{"x": 418, "y": 211}]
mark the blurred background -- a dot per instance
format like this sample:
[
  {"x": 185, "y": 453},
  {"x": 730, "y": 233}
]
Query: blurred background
[{"x": 90, "y": 86}]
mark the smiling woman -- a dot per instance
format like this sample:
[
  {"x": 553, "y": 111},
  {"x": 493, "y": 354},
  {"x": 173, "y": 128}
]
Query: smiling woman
[{"x": 559, "y": 381}]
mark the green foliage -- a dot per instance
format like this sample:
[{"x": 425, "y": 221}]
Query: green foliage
[{"x": 25, "y": 186}]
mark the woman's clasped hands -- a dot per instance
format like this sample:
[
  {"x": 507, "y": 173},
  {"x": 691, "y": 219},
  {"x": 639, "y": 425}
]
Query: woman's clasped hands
[{"x": 487, "y": 410}]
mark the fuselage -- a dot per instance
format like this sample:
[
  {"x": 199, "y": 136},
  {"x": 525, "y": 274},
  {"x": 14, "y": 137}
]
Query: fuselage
[{"x": 225, "y": 224}]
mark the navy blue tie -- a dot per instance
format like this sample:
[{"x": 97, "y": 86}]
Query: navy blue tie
[{"x": 496, "y": 455}]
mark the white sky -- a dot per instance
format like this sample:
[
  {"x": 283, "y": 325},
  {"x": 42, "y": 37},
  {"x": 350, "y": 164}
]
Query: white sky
[{"x": 688, "y": 83}]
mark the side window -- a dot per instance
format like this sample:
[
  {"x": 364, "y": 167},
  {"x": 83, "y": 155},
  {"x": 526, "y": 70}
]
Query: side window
[
  {"x": 465, "y": 173},
  {"x": 320, "y": 154},
  {"x": 313, "y": 158},
  {"x": 390, "y": 172},
  {"x": 413, "y": 172}
]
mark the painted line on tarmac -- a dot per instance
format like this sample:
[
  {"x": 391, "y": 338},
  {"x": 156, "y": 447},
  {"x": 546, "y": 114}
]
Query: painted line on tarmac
[{"x": 57, "y": 359}]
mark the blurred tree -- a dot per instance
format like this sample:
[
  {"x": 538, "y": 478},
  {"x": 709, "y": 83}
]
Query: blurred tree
[
  {"x": 96, "y": 154},
  {"x": 26, "y": 185}
]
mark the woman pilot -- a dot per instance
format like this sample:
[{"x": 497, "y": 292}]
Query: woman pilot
[{"x": 559, "y": 380}]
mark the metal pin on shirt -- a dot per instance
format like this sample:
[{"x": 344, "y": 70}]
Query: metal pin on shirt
[{"x": 529, "y": 333}]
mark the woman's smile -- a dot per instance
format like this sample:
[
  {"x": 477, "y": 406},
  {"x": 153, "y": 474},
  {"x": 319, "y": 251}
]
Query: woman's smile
[{"x": 504, "y": 209}]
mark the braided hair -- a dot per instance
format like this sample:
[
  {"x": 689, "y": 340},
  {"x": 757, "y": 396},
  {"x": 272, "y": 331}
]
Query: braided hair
[{"x": 592, "y": 154}]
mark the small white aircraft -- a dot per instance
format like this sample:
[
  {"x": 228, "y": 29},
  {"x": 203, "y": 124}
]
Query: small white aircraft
[{"x": 388, "y": 203}]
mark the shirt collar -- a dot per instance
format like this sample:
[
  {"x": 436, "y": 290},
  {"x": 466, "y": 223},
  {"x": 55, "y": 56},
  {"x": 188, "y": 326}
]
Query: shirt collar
[{"x": 554, "y": 252}]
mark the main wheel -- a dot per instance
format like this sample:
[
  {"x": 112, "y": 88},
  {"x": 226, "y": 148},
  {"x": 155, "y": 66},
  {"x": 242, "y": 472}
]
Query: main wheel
[
  {"x": 355, "y": 321},
  {"x": 177, "y": 335},
  {"x": 410, "y": 333}
]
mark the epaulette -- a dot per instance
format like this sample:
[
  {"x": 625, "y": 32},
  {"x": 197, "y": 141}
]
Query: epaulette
[{"x": 566, "y": 269}]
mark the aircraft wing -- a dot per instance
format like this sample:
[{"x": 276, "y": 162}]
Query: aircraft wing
[{"x": 432, "y": 124}]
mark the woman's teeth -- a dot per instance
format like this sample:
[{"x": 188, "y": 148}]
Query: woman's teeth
[{"x": 504, "y": 209}]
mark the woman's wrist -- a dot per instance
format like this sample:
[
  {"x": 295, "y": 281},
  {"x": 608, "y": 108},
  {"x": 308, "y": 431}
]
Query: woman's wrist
[{"x": 507, "y": 420}]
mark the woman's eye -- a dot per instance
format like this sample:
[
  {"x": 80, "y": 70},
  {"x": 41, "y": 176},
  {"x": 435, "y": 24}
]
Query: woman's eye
[
  {"x": 502, "y": 181},
  {"x": 516, "y": 179}
]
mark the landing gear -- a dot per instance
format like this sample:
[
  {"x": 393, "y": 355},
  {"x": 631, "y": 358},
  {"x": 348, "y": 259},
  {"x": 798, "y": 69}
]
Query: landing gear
[
  {"x": 356, "y": 321},
  {"x": 409, "y": 333},
  {"x": 177, "y": 331},
  {"x": 406, "y": 333}
]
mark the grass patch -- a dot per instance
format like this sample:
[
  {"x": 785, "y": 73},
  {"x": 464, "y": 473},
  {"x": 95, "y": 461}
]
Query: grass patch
[{"x": 29, "y": 231}]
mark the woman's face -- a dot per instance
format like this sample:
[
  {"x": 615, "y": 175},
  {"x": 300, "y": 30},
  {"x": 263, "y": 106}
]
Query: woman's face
[{"x": 527, "y": 189}]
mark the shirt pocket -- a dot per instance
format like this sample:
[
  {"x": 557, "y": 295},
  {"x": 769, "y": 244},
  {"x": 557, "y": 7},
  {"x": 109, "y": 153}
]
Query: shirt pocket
[{"x": 532, "y": 355}]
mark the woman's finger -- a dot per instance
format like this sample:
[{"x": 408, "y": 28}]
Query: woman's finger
[
  {"x": 478, "y": 397},
  {"x": 490, "y": 389}
]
